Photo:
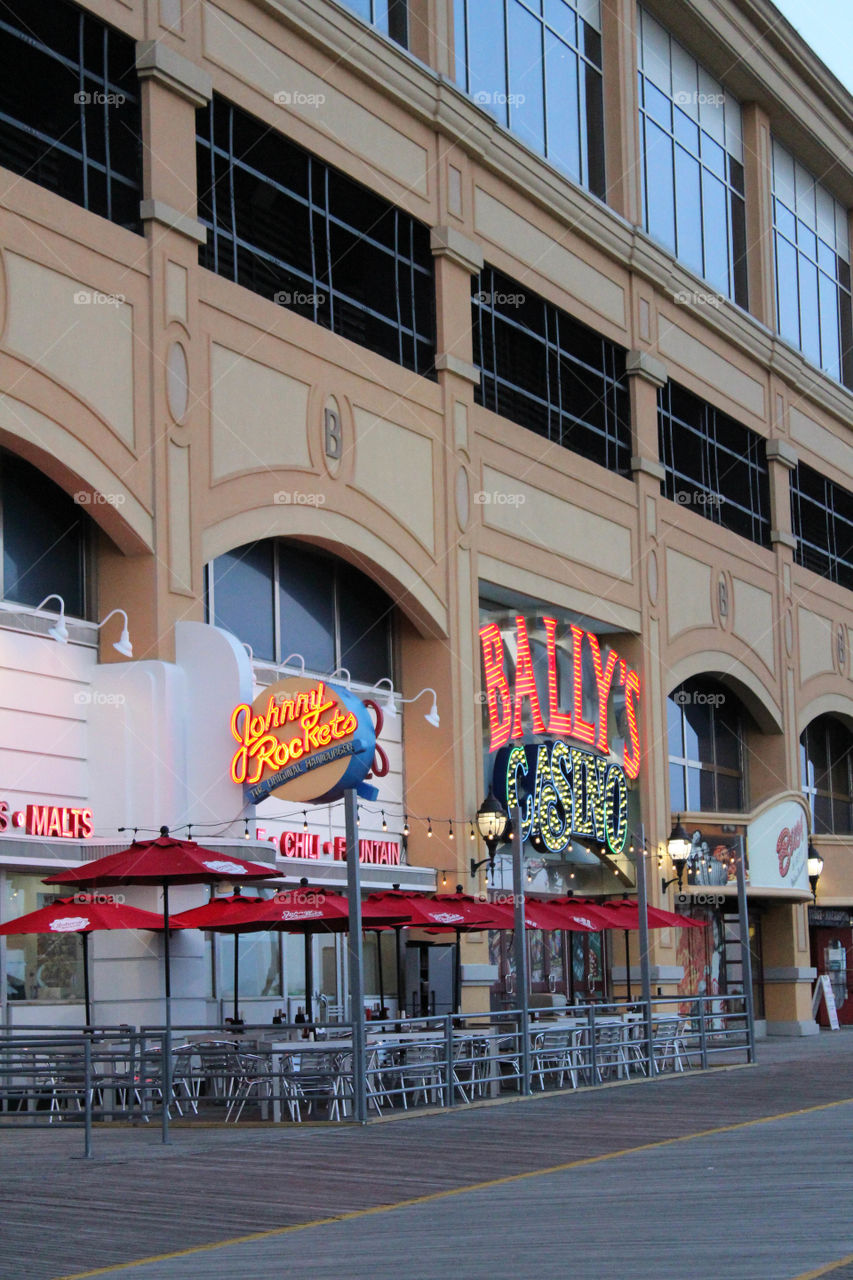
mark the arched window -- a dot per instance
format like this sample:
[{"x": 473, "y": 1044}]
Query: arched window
[
  {"x": 706, "y": 758},
  {"x": 282, "y": 598},
  {"x": 46, "y": 540},
  {"x": 826, "y": 769}
]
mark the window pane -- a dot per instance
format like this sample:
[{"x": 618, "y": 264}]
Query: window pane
[
  {"x": 487, "y": 58},
  {"x": 527, "y": 114},
  {"x": 688, "y": 210},
  {"x": 260, "y": 967},
  {"x": 243, "y": 596},
  {"x": 45, "y": 536},
  {"x": 788, "y": 309},
  {"x": 715, "y": 218},
  {"x": 673, "y": 725},
  {"x": 677, "y": 797},
  {"x": 307, "y": 607},
  {"x": 39, "y": 966},
  {"x": 659, "y": 186},
  {"x": 365, "y": 620},
  {"x": 809, "y": 321},
  {"x": 561, "y": 78}
]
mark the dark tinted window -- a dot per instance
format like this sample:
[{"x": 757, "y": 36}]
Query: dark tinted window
[
  {"x": 714, "y": 466},
  {"x": 287, "y": 226},
  {"x": 282, "y": 598},
  {"x": 46, "y": 538},
  {"x": 69, "y": 106},
  {"x": 549, "y": 373},
  {"x": 705, "y": 736},
  {"x": 822, "y": 519},
  {"x": 826, "y": 762}
]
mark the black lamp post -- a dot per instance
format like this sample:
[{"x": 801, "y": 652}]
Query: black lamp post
[
  {"x": 815, "y": 867},
  {"x": 491, "y": 824},
  {"x": 678, "y": 847}
]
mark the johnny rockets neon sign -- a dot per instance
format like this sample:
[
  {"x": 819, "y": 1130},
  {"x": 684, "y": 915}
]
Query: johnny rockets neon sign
[
  {"x": 302, "y": 727},
  {"x": 563, "y": 791}
]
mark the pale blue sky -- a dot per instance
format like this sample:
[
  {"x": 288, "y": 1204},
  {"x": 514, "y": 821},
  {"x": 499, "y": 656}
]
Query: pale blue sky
[{"x": 827, "y": 25}]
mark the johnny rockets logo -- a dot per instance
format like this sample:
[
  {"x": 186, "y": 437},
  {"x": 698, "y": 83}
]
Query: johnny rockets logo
[
  {"x": 506, "y": 705},
  {"x": 301, "y": 727}
]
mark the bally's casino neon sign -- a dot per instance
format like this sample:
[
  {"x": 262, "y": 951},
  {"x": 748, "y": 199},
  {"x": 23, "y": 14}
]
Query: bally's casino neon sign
[{"x": 565, "y": 790}]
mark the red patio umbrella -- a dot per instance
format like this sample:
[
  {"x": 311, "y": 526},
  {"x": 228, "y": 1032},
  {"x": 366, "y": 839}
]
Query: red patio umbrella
[
  {"x": 303, "y": 910},
  {"x": 83, "y": 914},
  {"x": 629, "y": 914},
  {"x": 163, "y": 861}
]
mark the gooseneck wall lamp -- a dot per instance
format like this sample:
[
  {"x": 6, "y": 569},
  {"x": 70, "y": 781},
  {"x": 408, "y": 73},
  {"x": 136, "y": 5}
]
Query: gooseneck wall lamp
[
  {"x": 59, "y": 631},
  {"x": 678, "y": 847},
  {"x": 122, "y": 645},
  {"x": 492, "y": 822}
]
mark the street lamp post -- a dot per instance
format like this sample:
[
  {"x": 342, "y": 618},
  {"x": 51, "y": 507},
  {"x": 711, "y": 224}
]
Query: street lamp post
[
  {"x": 815, "y": 869},
  {"x": 678, "y": 847},
  {"x": 492, "y": 821}
]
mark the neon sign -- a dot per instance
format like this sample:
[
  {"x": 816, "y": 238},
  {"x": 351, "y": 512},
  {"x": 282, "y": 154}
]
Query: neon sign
[
  {"x": 563, "y": 781},
  {"x": 506, "y": 706},
  {"x": 303, "y": 740},
  {"x": 564, "y": 792},
  {"x": 306, "y": 844}
]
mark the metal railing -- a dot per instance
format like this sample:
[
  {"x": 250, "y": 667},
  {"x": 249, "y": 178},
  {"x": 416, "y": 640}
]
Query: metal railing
[{"x": 263, "y": 1073}]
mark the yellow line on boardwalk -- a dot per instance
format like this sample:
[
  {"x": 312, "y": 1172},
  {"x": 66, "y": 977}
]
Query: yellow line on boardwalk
[
  {"x": 432, "y": 1196},
  {"x": 824, "y": 1271}
]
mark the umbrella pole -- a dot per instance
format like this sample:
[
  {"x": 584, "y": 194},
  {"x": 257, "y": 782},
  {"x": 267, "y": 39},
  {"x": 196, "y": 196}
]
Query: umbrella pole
[
  {"x": 628, "y": 964},
  {"x": 457, "y": 975},
  {"x": 309, "y": 977},
  {"x": 401, "y": 980},
  {"x": 167, "y": 957},
  {"x": 84, "y": 937},
  {"x": 236, "y": 975},
  {"x": 379, "y": 965}
]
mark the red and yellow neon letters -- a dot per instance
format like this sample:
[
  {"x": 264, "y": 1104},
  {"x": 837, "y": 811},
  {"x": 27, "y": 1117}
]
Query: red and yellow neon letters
[
  {"x": 53, "y": 820},
  {"x": 525, "y": 683},
  {"x": 262, "y": 749},
  {"x": 505, "y": 705}
]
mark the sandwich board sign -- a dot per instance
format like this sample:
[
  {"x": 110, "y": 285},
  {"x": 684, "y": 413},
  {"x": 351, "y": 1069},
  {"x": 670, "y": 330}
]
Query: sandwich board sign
[{"x": 823, "y": 991}]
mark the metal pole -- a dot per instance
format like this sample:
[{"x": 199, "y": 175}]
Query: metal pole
[
  {"x": 457, "y": 975},
  {"x": 378, "y": 933},
  {"x": 309, "y": 974},
  {"x": 746, "y": 954},
  {"x": 87, "y": 1085},
  {"x": 401, "y": 977},
  {"x": 167, "y": 1039},
  {"x": 628, "y": 965},
  {"x": 520, "y": 944},
  {"x": 84, "y": 938},
  {"x": 643, "y": 940},
  {"x": 356, "y": 959},
  {"x": 236, "y": 975}
]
